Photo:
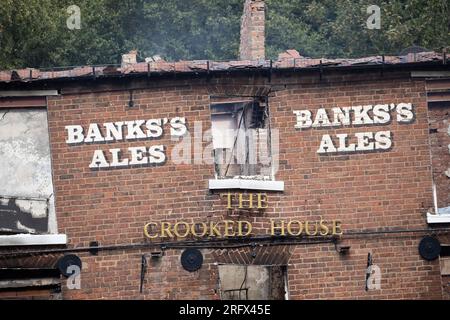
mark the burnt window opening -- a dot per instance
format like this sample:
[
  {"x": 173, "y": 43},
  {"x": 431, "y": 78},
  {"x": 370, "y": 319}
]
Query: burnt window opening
[
  {"x": 241, "y": 136},
  {"x": 253, "y": 282},
  {"x": 444, "y": 260},
  {"x": 26, "y": 192},
  {"x": 445, "y": 251},
  {"x": 23, "y": 215},
  {"x": 39, "y": 283}
]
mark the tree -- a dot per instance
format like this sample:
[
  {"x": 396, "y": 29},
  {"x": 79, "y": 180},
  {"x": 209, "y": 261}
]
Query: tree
[
  {"x": 338, "y": 28},
  {"x": 28, "y": 33},
  {"x": 195, "y": 29},
  {"x": 33, "y": 33}
]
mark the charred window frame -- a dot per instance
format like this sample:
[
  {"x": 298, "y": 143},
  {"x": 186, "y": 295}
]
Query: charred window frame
[
  {"x": 27, "y": 201},
  {"x": 241, "y": 136},
  {"x": 243, "y": 282},
  {"x": 26, "y": 196}
]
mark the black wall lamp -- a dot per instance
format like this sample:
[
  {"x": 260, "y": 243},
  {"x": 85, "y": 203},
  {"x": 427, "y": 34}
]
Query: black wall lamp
[
  {"x": 93, "y": 247},
  {"x": 429, "y": 248},
  {"x": 67, "y": 261}
]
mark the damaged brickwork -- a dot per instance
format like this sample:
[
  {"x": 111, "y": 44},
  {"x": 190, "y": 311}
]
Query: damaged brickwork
[
  {"x": 373, "y": 190},
  {"x": 369, "y": 192},
  {"x": 252, "y": 45}
]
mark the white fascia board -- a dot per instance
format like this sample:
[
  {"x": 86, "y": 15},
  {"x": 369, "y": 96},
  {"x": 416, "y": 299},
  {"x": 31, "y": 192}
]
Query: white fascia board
[
  {"x": 28, "y": 93},
  {"x": 33, "y": 240},
  {"x": 243, "y": 184},
  {"x": 438, "y": 218}
]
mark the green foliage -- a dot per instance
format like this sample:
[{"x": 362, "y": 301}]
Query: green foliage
[
  {"x": 338, "y": 28},
  {"x": 194, "y": 29},
  {"x": 28, "y": 29},
  {"x": 33, "y": 33}
]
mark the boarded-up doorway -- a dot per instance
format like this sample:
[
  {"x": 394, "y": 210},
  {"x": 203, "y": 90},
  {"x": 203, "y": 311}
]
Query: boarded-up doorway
[{"x": 252, "y": 282}]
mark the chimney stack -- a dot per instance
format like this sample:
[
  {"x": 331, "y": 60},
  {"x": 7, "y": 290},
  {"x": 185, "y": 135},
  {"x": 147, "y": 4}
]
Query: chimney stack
[
  {"x": 252, "y": 31},
  {"x": 129, "y": 58}
]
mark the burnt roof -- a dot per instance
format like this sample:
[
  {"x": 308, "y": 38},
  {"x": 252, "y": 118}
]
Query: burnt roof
[{"x": 287, "y": 60}]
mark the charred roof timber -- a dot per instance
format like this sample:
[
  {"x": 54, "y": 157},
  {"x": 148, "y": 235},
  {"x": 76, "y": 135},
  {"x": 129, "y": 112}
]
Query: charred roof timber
[{"x": 290, "y": 61}]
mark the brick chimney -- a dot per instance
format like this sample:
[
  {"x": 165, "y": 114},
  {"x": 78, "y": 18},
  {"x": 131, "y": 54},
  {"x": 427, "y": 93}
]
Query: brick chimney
[{"x": 252, "y": 31}]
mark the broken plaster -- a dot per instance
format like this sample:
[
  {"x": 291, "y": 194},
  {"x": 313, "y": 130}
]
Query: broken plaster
[
  {"x": 25, "y": 167},
  {"x": 4, "y": 115}
]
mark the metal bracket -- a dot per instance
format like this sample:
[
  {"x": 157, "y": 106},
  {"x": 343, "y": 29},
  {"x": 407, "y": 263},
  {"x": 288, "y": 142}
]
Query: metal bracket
[
  {"x": 269, "y": 76},
  {"x": 131, "y": 101},
  {"x": 320, "y": 70},
  {"x": 144, "y": 265},
  {"x": 253, "y": 245}
]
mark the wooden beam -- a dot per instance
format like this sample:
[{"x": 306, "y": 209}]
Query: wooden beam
[
  {"x": 445, "y": 266},
  {"x": 438, "y": 85},
  {"x": 24, "y": 283},
  {"x": 442, "y": 96},
  {"x": 430, "y": 74}
]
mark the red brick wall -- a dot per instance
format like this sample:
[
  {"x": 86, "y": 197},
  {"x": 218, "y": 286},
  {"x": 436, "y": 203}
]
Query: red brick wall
[
  {"x": 372, "y": 190},
  {"x": 117, "y": 276},
  {"x": 380, "y": 189}
]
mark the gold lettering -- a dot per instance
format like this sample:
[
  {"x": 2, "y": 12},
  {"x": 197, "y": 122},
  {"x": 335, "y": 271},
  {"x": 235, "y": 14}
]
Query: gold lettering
[
  {"x": 146, "y": 232},
  {"x": 240, "y": 201},
  {"x": 241, "y": 228},
  {"x": 194, "y": 231},
  {"x": 337, "y": 228},
  {"x": 213, "y": 230},
  {"x": 307, "y": 229},
  {"x": 229, "y": 224},
  {"x": 262, "y": 199},
  {"x": 233, "y": 228},
  {"x": 249, "y": 201},
  {"x": 229, "y": 200},
  {"x": 273, "y": 228},
  {"x": 165, "y": 227},
  {"x": 323, "y": 227},
  {"x": 289, "y": 229},
  {"x": 176, "y": 231}
]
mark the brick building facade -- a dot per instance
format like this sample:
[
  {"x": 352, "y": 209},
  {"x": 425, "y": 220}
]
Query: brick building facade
[{"x": 380, "y": 191}]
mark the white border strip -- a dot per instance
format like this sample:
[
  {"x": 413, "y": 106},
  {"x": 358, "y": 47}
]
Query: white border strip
[
  {"x": 218, "y": 184},
  {"x": 438, "y": 218},
  {"x": 33, "y": 240},
  {"x": 29, "y": 93}
]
